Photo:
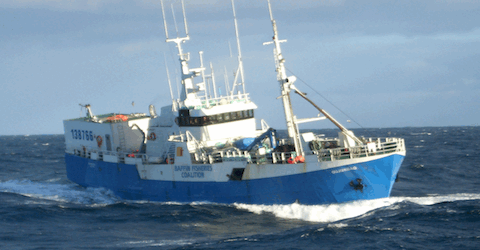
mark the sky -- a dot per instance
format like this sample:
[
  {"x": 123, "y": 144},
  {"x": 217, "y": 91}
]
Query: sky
[{"x": 376, "y": 63}]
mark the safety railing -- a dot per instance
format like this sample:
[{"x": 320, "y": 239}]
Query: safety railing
[{"x": 371, "y": 147}]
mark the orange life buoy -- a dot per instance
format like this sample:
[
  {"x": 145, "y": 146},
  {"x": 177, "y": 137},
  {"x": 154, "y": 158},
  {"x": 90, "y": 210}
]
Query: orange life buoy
[
  {"x": 300, "y": 159},
  {"x": 152, "y": 136},
  {"x": 99, "y": 141},
  {"x": 170, "y": 161}
]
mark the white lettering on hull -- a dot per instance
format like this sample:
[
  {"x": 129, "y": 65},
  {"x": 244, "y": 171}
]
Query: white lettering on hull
[{"x": 344, "y": 170}]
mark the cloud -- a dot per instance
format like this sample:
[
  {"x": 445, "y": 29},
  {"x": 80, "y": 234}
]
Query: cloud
[
  {"x": 73, "y": 5},
  {"x": 469, "y": 81},
  {"x": 134, "y": 48},
  {"x": 472, "y": 36},
  {"x": 205, "y": 5}
]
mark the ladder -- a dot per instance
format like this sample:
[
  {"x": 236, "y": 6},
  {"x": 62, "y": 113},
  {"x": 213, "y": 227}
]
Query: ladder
[
  {"x": 169, "y": 154},
  {"x": 121, "y": 137}
]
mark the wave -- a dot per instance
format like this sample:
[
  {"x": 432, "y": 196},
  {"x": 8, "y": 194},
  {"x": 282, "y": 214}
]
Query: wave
[
  {"x": 422, "y": 133},
  {"x": 72, "y": 193},
  {"x": 337, "y": 212},
  {"x": 49, "y": 190},
  {"x": 59, "y": 192},
  {"x": 156, "y": 243}
]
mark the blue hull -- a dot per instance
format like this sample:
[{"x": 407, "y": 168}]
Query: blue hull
[{"x": 319, "y": 187}]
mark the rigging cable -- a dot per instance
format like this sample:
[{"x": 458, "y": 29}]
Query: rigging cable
[{"x": 318, "y": 93}]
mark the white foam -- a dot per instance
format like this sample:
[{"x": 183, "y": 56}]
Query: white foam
[
  {"x": 337, "y": 225},
  {"x": 422, "y": 133},
  {"x": 434, "y": 199},
  {"x": 157, "y": 243},
  {"x": 59, "y": 192},
  {"x": 239, "y": 239},
  {"x": 319, "y": 213},
  {"x": 178, "y": 203},
  {"x": 337, "y": 212}
]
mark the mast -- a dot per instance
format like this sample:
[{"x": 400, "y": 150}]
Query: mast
[
  {"x": 286, "y": 84},
  {"x": 188, "y": 96},
  {"x": 168, "y": 78},
  {"x": 240, "y": 62},
  {"x": 213, "y": 81}
]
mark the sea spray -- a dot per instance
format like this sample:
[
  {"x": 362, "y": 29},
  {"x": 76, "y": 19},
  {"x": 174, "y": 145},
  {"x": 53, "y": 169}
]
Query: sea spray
[
  {"x": 59, "y": 192},
  {"x": 338, "y": 212}
]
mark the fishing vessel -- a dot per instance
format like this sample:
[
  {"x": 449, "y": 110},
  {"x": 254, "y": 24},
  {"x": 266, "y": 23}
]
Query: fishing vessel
[{"x": 206, "y": 147}]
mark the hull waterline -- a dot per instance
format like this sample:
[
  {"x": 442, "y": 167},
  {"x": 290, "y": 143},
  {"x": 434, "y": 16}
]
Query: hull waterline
[{"x": 318, "y": 187}]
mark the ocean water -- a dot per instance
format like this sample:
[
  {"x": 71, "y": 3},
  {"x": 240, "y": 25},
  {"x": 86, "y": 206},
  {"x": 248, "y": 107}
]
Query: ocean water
[{"x": 434, "y": 205}]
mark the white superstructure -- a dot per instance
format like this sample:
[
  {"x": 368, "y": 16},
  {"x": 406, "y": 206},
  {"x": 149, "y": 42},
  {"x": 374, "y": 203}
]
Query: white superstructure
[{"x": 207, "y": 147}]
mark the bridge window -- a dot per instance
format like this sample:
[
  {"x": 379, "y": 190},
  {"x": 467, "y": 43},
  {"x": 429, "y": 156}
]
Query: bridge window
[{"x": 184, "y": 118}]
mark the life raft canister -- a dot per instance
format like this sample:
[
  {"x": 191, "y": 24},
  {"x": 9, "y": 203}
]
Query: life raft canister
[
  {"x": 99, "y": 141},
  {"x": 117, "y": 118}
]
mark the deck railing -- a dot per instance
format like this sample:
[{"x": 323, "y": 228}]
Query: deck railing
[{"x": 371, "y": 147}]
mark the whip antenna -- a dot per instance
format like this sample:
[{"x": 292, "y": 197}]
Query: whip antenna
[
  {"x": 184, "y": 18},
  {"x": 164, "y": 20}
]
